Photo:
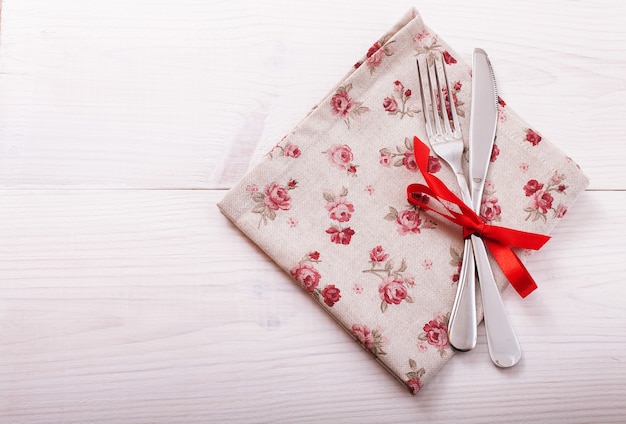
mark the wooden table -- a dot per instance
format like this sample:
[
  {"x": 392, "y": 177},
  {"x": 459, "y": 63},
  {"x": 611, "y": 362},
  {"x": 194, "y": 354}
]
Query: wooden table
[{"x": 126, "y": 297}]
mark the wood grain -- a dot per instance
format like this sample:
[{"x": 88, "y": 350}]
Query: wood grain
[
  {"x": 128, "y": 309},
  {"x": 83, "y": 84},
  {"x": 126, "y": 296}
]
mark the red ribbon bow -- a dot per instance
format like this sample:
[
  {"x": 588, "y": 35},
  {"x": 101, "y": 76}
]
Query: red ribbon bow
[{"x": 499, "y": 240}]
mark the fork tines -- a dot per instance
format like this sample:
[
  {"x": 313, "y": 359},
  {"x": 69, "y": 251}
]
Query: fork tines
[{"x": 437, "y": 97}]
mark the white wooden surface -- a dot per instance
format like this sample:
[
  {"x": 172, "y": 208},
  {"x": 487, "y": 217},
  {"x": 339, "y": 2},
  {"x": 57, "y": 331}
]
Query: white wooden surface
[{"x": 125, "y": 297}]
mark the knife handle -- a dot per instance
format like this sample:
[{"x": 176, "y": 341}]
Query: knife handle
[
  {"x": 504, "y": 347},
  {"x": 462, "y": 332}
]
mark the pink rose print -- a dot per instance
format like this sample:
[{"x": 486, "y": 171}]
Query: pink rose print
[
  {"x": 403, "y": 156},
  {"x": 426, "y": 43},
  {"x": 532, "y": 137},
  {"x": 421, "y": 197},
  {"x": 340, "y": 209},
  {"x": 398, "y": 87},
  {"x": 306, "y": 275},
  {"x": 401, "y": 105},
  {"x": 344, "y": 106},
  {"x": 341, "y": 157},
  {"x": 456, "y": 88},
  {"x": 340, "y": 235},
  {"x": 375, "y": 55},
  {"x": 427, "y": 264},
  {"x": 288, "y": 150},
  {"x": 436, "y": 333},
  {"x": 378, "y": 254},
  {"x": 532, "y": 186},
  {"x": 434, "y": 165},
  {"x": 369, "y": 189},
  {"x": 371, "y": 340},
  {"x": 495, "y": 152},
  {"x": 501, "y": 109},
  {"x": 275, "y": 197},
  {"x": 414, "y": 385},
  {"x": 456, "y": 262},
  {"x": 331, "y": 295},
  {"x": 390, "y": 104},
  {"x": 414, "y": 382},
  {"x": 392, "y": 290},
  {"x": 292, "y": 151},
  {"x": 410, "y": 280},
  {"x": 448, "y": 58},
  {"x": 409, "y": 221},
  {"x": 542, "y": 197},
  {"x": 364, "y": 335},
  {"x": 409, "y": 162},
  {"x": 394, "y": 284},
  {"x": 541, "y": 201},
  {"x": 341, "y": 103},
  {"x": 357, "y": 288},
  {"x": 385, "y": 158},
  {"x": 489, "y": 209},
  {"x": 375, "y": 47},
  {"x": 557, "y": 178}
]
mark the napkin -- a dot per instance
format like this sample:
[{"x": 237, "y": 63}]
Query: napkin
[{"x": 328, "y": 203}]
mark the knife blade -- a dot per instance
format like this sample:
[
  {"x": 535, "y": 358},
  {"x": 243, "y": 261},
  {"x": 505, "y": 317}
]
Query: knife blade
[
  {"x": 483, "y": 122},
  {"x": 504, "y": 348}
]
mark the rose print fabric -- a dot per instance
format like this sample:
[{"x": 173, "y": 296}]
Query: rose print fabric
[{"x": 328, "y": 203}]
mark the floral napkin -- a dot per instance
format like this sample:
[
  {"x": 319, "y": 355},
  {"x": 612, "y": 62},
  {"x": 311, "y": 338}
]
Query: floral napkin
[{"x": 328, "y": 203}]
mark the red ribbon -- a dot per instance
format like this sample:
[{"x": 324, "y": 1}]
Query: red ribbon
[{"x": 499, "y": 240}]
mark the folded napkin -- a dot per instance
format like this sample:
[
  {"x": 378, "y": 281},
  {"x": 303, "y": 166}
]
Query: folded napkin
[{"x": 328, "y": 203}]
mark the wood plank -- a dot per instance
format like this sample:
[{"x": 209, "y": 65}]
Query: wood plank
[
  {"x": 161, "y": 94},
  {"x": 121, "y": 306}
]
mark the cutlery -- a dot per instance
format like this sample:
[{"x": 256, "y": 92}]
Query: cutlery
[
  {"x": 446, "y": 140},
  {"x": 504, "y": 348}
]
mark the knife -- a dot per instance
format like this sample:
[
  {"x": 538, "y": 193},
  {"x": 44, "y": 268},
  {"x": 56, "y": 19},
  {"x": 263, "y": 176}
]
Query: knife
[{"x": 504, "y": 347}]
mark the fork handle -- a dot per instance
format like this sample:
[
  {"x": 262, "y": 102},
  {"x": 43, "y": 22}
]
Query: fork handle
[
  {"x": 462, "y": 332},
  {"x": 504, "y": 347},
  {"x": 462, "y": 327}
]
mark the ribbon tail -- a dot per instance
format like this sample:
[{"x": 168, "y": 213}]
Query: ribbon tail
[
  {"x": 510, "y": 237},
  {"x": 513, "y": 268}
]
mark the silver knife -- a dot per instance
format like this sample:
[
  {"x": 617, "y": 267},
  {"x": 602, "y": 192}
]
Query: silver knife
[{"x": 504, "y": 347}]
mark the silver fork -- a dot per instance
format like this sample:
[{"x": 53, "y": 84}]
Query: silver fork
[{"x": 446, "y": 140}]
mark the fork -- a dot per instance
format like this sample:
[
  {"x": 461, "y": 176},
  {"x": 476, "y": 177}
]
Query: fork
[{"x": 446, "y": 140}]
